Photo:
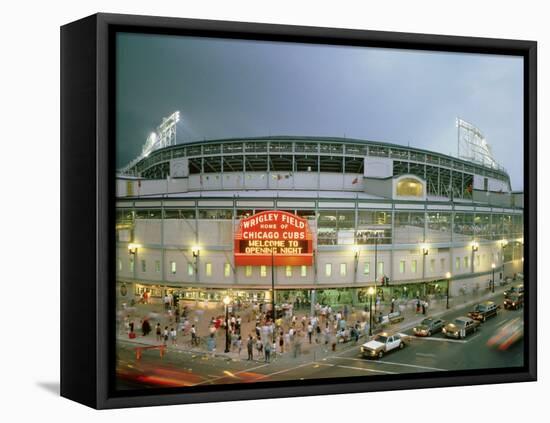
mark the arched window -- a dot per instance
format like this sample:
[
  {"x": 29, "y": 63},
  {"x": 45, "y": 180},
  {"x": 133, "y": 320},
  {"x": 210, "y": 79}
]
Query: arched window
[{"x": 409, "y": 187}]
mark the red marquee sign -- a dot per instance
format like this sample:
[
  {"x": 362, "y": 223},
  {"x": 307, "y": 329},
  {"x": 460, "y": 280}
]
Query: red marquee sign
[{"x": 273, "y": 237}]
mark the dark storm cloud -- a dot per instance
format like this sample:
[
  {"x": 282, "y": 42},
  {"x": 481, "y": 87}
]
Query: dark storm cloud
[{"x": 230, "y": 88}]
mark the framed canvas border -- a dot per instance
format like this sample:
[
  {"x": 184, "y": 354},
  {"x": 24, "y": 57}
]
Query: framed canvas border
[{"x": 87, "y": 180}]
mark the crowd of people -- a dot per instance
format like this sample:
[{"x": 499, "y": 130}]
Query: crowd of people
[{"x": 253, "y": 326}]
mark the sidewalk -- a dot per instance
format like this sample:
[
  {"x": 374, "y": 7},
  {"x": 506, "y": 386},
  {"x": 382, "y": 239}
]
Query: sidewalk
[{"x": 201, "y": 318}]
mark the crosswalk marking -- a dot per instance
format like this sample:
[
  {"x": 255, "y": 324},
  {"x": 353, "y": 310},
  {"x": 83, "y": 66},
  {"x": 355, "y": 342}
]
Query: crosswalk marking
[{"x": 391, "y": 363}]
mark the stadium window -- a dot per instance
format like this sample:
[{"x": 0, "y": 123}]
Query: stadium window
[
  {"x": 227, "y": 270},
  {"x": 432, "y": 265},
  {"x": 478, "y": 260},
  {"x": 442, "y": 263},
  {"x": 173, "y": 267},
  {"x": 143, "y": 266},
  {"x": 409, "y": 187},
  {"x": 303, "y": 271},
  {"x": 328, "y": 269},
  {"x": 208, "y": 269},
  {"x": 457, "y": 263},
  {"x": 131, "y": 264},
  {"x": 413, "y": 266},
  {"x": 157, "y": 266},
  {"x": 402, "y": 266},
  {"x": 190, "y": 269},
  {"x": 248, "y": 271},
  {"x": 343, "y": 269},
  {"x": 466, "y": 262},
  {"x": 119, "y": 265},
  {"x": 366, "y": 268},
  {"x": 288, "y": 271},
  {"x": 263, "y": 271},
  {"x": 380, "y": 268}
]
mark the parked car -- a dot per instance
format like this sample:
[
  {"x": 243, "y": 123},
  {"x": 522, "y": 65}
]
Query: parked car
[
  {"x": 395, "y": 317},
  {"x": 484, "y": 310},
  {"x": 382, "y": 344},
  {"x": 513, "y": 301},
  {"x": 460, "y": 327},
  {"x": 514, "y": 289},
  {"x": 428, "y": 327}
]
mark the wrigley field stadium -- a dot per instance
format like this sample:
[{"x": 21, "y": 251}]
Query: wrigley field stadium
[{"x": 313, "y": 220}]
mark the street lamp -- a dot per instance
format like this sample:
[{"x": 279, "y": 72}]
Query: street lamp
[
  {"x": 226, "y": 301},
  {"x": 376, "y": 233},
  {"x": 132, "y": 248},
  {"x": 475, "y": 247},
  {"x": 493, "y": 265},
  {"x": 370, "y": 292},
  {"x": 132, "y": 251},
  {"x": 448, "y": 276},
  {"x": 195, "y": 250},
  {"x": 425, "y": 252}
]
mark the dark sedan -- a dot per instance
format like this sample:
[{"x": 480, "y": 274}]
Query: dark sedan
[
  {"x": 428, "y": 327},
  {"x": 460, "y": 327}
]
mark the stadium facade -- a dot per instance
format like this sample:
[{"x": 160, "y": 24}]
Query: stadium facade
[{"x": 404, "y": 220}]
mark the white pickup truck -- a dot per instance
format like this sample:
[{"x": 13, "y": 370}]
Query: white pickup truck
[{"x": 383, "y": 343}]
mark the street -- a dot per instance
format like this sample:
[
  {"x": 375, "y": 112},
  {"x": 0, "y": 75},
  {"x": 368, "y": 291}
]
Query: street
[{"x": 436, "y": 353}]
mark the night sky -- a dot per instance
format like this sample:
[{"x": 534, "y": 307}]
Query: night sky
[{"x": 234, "y": 88}]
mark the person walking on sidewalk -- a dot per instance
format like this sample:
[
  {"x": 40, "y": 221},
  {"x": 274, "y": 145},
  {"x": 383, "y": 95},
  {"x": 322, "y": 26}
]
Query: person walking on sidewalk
[
  {"x": 309, "y": 331},
  {"x": 239, "y": 345},
  {"x": 194, "y": 340},
  {"x": 173, "y": 335},
  {"x": 424, "y": 308},
  {"x": 267, "y": 350},
  {"x": 145, "y": 327},
  {"x": 159, "y": 332},
  {"x": 250, "y": 347},
  {"x": 165, "y": 335}
]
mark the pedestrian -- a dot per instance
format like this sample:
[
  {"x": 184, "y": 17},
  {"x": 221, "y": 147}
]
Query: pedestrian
[
  {"x": 392, "y": 304},
  {"x": 194, "y": 340},
  {"x": 267, "y": 351},
  {"x": 165, "y": 336},
  {"x": 281, "y": 342},
  {"x": 259, "y": 347},
  {"x": 145, "y": 327},
  {"x": 250, "y": 347},
  {"x": 424, "y": 308},
  {"x": 211, "y": 344},
  {"x": 159, "y": 332},
  {"x": 239, "y": 345},
  {"x": 173, "y": 335},
  {"x": 309, "y": 331},
  {"x": 317, "y": 334}
]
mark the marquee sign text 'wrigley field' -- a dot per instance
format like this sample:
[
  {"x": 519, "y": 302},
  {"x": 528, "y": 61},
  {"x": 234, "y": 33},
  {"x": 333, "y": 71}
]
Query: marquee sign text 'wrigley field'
[{"x": 273, "y": 238}]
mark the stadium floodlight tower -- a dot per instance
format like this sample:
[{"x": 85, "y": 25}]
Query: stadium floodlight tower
[
  {"x": 473, "y": 146},
  {"x": 164, "y": 136}
]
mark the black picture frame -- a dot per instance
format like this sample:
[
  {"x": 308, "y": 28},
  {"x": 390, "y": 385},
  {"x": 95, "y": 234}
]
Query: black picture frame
[{"x": 87, "y": 211}]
